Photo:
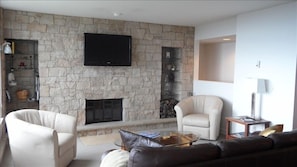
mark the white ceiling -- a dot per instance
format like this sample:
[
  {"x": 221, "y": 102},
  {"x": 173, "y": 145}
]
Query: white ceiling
[{"x": 173, "y": 12}]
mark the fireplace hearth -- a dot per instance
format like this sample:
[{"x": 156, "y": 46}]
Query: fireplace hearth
[{"x": 103, "y": 110}]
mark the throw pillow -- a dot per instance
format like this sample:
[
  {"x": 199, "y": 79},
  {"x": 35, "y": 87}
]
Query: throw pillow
[
  {"x": 271, "y": 130},
  {"x": 130, "y": 140},
  {"x": 118, "y": 158}
]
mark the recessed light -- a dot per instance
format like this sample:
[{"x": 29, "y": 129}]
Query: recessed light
[
  {"x": 226, "y": 39},
  {"x": 117, "y": 14}
]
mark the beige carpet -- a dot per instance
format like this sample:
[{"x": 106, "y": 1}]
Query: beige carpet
[
  {"x": 115, "y": 138},
  {"x": 100, "y": 139}
]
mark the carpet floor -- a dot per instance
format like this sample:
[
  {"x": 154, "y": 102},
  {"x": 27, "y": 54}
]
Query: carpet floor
[
  {"x": 89, "y": 150},
  {"x": 100, "y": 139}
]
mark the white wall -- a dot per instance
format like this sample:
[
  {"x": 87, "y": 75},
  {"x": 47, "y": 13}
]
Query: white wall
[
  {"x": 268, "y": 36},
  {"x": 212, "y": 30},
  {"x": 222, "y": 89}
]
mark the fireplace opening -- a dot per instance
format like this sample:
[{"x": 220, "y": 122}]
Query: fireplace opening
[{"x": 103, "y": 110}]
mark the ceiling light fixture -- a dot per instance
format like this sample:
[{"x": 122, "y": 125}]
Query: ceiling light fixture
[
  {"x": 226, "y": 39},
  {"x": 117, "y": 14}
]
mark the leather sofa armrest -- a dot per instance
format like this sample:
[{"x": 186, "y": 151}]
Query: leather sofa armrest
[
  {"x": 28, "y": 130},
  {"x": 65, "y": 124},
  {"x": 183, "y": 108},
  {"x": 214, "y": 120},
  {"x": 43, "y": 140},
  {"x": 284, "y": 139}
]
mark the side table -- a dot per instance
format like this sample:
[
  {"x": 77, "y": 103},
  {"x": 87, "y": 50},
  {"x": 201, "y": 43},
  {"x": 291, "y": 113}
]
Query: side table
[{"x": 243, "y": 120}]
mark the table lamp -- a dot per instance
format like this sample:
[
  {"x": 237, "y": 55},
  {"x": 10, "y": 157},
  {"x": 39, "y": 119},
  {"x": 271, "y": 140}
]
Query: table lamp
[{"x": 258, "y": 88}]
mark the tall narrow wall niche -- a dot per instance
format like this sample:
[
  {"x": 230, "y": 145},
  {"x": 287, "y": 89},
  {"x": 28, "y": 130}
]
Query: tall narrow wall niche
[
  {"x": 170, "y": 81},
  {"x": 22, "y": 76}
]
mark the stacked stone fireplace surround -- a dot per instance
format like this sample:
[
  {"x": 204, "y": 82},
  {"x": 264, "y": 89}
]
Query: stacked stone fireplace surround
[{"x": 65, "y": 83}]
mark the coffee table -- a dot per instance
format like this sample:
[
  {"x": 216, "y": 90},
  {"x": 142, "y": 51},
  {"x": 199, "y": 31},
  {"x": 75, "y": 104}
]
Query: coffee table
[
  {"x": 176, "y": 138},
  {"x": 169, "y": 137}
]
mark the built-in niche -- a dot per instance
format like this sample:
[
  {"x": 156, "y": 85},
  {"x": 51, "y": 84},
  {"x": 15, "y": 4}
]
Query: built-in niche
[
  {"x": 170, "y": 81},
  {"x": 216, "y": 59},
  {"x": 22, "y": 76}
]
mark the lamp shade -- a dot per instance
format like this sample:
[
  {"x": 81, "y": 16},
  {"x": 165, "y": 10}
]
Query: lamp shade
[
  {"x": 260, "y": 86},
  {"x": 257, "y": 85}
]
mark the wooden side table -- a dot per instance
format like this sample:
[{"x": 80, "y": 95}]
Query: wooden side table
[{"x": 243, "y": 121}]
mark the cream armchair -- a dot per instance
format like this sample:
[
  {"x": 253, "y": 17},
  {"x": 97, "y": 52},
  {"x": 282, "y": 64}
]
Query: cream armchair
[
  {"x": 200, "y": 114},
  {"x": 41, "y": 138}
]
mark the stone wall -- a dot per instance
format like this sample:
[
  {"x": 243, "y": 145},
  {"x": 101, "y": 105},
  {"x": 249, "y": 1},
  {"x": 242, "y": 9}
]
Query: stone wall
[{"x": 65, "y": 83}]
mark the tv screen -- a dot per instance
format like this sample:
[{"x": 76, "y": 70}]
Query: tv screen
[{"x": 107, "y": 50}]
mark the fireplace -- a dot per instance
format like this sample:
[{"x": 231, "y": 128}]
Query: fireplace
[{"x": 103, "y": 110}]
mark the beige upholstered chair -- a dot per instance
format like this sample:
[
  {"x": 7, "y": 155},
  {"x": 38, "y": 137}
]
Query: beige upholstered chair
[
  {"x": 41, "y": 138},
  {"x": 200, "y": 114}
]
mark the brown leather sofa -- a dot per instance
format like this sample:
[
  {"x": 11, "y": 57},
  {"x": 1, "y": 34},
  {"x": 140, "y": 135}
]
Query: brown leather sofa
[{"x": 278, "y": 149}]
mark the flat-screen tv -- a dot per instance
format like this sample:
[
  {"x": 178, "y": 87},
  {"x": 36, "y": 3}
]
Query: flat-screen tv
[{"x": 107, "y": 50}]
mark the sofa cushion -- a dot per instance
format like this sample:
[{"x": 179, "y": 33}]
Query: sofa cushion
[
  {"x": 130, "y": 140},
  {"x": 200, "y": 120},
  {"x": 172, "y": 156},
  {"x": 284, "y": 139},
  {"x": 244, "y": 145}
]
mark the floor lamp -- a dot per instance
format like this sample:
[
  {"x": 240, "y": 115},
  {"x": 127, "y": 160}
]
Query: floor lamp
[{"x": 258, "y": 88}]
